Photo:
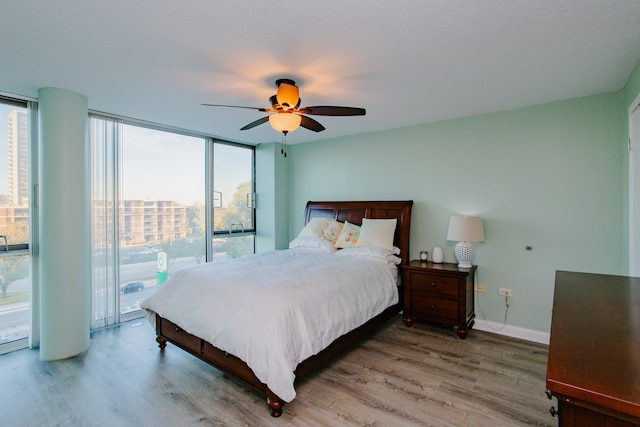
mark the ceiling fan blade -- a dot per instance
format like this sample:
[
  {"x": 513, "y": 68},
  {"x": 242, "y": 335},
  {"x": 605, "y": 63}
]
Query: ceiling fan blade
[
  {"x": 309, "y": 123},
  {"x": 264, "y": 110},
  {"x": 256, "y": 123},
  {"x": 326, "y": 110}
]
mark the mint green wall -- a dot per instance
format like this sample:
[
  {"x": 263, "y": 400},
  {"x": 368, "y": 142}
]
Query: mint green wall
[
  {"x": 631, "y": 92},
  {"x": 272, "y": 198},
  {"x": 282, "y": 198},
  {"x": 549, "y": 176},
  {"x": 632, "y": 88}
]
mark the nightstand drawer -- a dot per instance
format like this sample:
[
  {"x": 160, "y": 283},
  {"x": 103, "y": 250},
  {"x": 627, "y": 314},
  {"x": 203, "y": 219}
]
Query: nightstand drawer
[
  {"x": 434, "y": 284},
  {"x": 434, "y": 307}
]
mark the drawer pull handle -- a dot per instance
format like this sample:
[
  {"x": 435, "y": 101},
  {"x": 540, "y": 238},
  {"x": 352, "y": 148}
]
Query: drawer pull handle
[
  {"x": 178, "y": 329},
  {"x": 433, "y": 283},
  {"x": 433, "y": 306},
  {"x": 553, "y": 411},
  {"x": 548, "y": 393}
]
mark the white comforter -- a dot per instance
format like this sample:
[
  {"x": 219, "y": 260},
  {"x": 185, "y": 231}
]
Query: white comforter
[{"x": 275, "y": 309}]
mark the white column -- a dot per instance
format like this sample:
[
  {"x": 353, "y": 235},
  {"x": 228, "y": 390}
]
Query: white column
[{"x": 64, "y": 201}]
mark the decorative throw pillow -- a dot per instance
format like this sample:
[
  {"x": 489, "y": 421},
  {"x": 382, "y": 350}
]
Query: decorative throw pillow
[
  {"x": 332, "y": 230},
  {"x": 314, "y": 228},
  {"x": 377, "y": 232},
  {"x": 348, "y": 236}
]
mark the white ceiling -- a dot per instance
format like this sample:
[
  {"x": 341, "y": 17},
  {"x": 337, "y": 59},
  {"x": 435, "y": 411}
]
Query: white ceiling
[{"x": 405, "y": 61}]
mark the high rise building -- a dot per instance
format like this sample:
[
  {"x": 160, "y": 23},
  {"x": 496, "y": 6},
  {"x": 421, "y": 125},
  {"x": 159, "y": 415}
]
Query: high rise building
[{"x": 18, "y": 157}]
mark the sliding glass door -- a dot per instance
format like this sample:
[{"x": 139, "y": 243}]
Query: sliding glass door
[
  {"x": 233, "y": 213},
  {"x": 15, "y": 195},
  {"x": 161, "y": 210},
  {"x": 154, "y": 194}
]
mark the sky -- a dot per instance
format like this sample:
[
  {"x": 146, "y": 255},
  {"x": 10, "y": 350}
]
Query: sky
[
  {"x": 162, "y": 166},
  {"x": 165, "y": 166},
  {"x": 159, "y": 165}
]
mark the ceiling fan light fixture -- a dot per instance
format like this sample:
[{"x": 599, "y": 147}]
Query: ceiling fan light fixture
[
  {"x": 287, "y": 96},
  {"x": 285, "y": 114},
  {"x": 285, "y": 122}
]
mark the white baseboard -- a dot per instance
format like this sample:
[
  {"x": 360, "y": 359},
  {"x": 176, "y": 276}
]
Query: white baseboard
[{"x": 512, "y": 331}]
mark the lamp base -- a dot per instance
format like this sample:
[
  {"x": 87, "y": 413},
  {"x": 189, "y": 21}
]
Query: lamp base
[{"x": 464, "y": 253}]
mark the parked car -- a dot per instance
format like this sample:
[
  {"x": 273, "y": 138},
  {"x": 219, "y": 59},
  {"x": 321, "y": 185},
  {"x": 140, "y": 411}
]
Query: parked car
[{"x": 132, "y": 287}]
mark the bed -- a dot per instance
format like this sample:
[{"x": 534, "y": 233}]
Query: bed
[{"x": 269, "y": 355}]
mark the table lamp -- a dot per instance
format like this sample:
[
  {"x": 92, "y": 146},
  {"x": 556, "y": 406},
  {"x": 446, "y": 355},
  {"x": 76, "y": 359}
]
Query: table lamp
[{"x": 464, "y": 230}]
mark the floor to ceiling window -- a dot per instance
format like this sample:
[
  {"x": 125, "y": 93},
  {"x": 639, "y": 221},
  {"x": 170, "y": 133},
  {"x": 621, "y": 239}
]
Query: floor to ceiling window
[
  {"x": 160, "y": 211},
  {"x": 162, "y": 200},
  {"x": 15, "y": 271}
]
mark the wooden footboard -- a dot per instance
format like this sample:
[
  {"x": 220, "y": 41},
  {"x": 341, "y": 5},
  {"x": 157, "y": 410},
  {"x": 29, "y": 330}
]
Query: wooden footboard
[
  {"x": 235, "y": 367},
  {"x": 227, "y": 363}
]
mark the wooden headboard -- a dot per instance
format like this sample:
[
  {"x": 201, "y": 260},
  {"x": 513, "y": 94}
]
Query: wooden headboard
[{"x": 354, "y": 211}]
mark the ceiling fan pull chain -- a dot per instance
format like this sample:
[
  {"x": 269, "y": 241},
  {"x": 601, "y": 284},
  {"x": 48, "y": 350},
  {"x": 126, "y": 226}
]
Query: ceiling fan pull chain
[{"x": 283, "y": 150}]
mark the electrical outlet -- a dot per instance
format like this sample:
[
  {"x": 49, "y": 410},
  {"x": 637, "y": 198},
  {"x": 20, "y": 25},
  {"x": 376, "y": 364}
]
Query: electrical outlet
[
  {"x": 504, "y": 292},
  {"x": 480, "y": 288}
]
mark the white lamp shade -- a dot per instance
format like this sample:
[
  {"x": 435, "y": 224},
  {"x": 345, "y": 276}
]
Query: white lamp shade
[
  {"x": 465, "y": 229},
  {"x": 285, "y": 122}
]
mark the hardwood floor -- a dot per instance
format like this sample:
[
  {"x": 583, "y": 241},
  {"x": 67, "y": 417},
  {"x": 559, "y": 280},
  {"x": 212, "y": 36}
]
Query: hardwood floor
[{"x": 422, "y": 376}]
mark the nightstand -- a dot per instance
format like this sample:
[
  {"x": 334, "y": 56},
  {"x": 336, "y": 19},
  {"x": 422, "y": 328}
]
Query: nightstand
[{"x": 440, "y": 293}]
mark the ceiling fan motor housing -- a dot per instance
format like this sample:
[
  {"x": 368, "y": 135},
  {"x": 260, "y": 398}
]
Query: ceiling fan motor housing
[{"x": 288, "y": 96}]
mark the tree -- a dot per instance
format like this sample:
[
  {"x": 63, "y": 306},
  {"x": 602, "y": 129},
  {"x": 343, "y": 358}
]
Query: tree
[
  {"x": 195, "y": 220},
  {"x": 194, "y": 243},
  {"x": 236, "y": 217},
  {"x": 196, "y": 232},
  {"x": 12, "y": 269},
  {"x": 16, "y": 232},
  {"x": 237, "y": 212}
]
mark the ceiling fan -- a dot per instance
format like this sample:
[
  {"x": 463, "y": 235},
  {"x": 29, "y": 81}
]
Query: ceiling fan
[{"x": 285, "y": 112}]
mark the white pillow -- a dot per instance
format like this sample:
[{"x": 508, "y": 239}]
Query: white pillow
[
  {"x": 312, "y": 242},
  {"x": 374, "y": 253},
  {"x": 377, "y": 232},
  {"x": 314, "y": 228}
]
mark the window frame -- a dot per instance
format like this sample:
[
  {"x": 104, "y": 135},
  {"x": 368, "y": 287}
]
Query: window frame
[
  {"x": 30, "y": 107},
  {"x": 28, "y": 248},
  {"x": 210, "y": 234},
  {"x": 230, "y": 231}
]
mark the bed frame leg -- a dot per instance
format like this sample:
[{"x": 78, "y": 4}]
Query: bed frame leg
[
  {"x": 162, "y": 343},
  {"x": 275, "y": 403}
]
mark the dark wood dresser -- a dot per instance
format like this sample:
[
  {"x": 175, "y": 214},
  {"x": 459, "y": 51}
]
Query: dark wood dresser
[
  {"x": 440, "y": 293},
  {"x": 594, "y": 352}
]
